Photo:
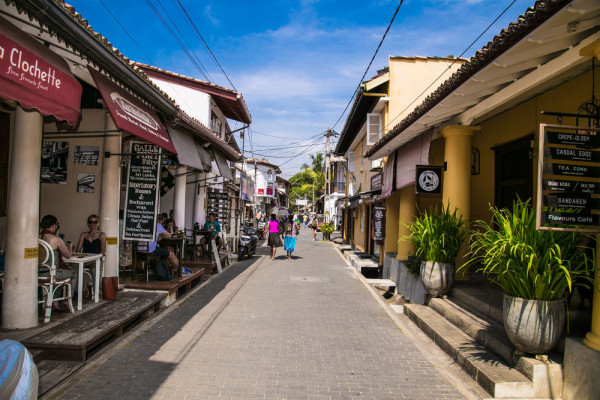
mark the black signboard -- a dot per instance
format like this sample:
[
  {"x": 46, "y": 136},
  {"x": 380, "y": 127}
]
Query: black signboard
[
  {"x": 584, "y": 171},
  {"x": 218, "y": 196},
  {"x": 429, "y": 179},
  {"x": 376, "y": 181},
  {"x": 378, "y": 223},
  {"x": 570, "y": 218},
  {"x": 561, "y": 153},
  {"x": 573, "y": 139},
  {"x": 141, "y": 201},
  {"x": 571, "y": 202},
  {"x": 559, "y": 185}
]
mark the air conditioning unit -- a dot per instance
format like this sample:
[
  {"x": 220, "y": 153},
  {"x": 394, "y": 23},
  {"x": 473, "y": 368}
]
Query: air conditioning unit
[{"x": 377, "y": 165}]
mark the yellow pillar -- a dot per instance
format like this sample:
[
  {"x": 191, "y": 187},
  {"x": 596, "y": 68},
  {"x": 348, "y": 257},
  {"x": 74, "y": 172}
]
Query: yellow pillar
[
  {"x": 391, "y": 223},
  {"x": 457, "y": 178},
  {"x": 406, "y": 216},
  {"x": 592, "y": 339}
]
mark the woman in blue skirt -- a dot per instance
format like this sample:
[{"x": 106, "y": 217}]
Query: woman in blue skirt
[{"x": 290, "y": 230}]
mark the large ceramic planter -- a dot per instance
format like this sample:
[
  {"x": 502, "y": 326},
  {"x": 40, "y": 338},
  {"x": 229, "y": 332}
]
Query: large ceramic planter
[
  {"x": 437, "y": 277},
  {"x": 533, "y": 326}
]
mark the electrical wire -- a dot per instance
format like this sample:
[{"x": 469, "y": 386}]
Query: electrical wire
[
  {"x": 205, "y": 44},
  {"x": 369, "y": 66}
]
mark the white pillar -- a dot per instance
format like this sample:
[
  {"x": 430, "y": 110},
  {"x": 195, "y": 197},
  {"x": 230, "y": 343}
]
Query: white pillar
[
  {"x": 199, "y": 208},
  {"x": 109, "y": 198},
  {"x": 179, "y": 197},
  {"x": 19, "y": 308}
]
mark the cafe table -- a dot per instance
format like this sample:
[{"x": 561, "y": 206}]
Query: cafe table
[{"x": 80, "y": 259}]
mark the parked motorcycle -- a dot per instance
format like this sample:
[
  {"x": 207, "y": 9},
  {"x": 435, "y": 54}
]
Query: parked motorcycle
[
  {"x": 247, "y": 244},
  {"x": 261, "y": 230}
]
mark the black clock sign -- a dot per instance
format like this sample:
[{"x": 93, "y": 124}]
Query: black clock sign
[{"x": 429, "y": 179}]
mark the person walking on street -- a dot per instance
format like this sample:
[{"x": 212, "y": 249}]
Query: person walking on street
[
  {"x": 290, "y": 230},
  {"x": 274, "y": 239},
  {"x": 313, "y": 228},
  {"x": 305, "y": 219}
]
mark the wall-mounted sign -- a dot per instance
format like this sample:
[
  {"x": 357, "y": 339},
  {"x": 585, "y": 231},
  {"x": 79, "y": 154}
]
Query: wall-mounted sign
[
  {"x": 141, "y": 201},
  {"x": 568, "y": 179},
  {"x": 376, "y": 181},
  {"x": 378, "y": 223},
  {"x": 429, "y": 179},
  {"x": 218, "y": 196}
]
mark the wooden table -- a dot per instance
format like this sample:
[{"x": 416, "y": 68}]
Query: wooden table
[{"x": 80, "y": 259}]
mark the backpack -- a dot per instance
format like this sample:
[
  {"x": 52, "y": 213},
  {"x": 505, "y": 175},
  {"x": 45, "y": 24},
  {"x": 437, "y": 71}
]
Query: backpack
[
  {"x": 287, "y": 227},
  {"x": 163, "y": 272}
]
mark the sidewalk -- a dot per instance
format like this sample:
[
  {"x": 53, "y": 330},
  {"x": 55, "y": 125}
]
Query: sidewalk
[{"x": 305, "y": 328}]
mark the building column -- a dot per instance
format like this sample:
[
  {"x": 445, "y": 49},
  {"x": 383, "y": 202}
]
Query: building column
[
  {"x": 391, "y": 224},
  {"x": 20, "y": 297},
  {"x": 592, "y": 339},
  {"x": 457, "y": 179},
  {"x": 200, "y": 196},
  {"x": 109, "y": 197},
  {"x": 406, "y": 216},
  {"x": 179, "y": 196}
]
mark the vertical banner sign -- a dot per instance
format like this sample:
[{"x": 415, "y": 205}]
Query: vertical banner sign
[
  {"x": 141, "y": 201},
  {"x": 378, "y": 223},
  {"x": 568, "y": 195}
]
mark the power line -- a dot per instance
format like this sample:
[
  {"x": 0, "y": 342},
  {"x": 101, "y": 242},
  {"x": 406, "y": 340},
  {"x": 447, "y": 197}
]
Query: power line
[
  {"x": 370, "y": 62},
  {"x": 205, "y": 44}
]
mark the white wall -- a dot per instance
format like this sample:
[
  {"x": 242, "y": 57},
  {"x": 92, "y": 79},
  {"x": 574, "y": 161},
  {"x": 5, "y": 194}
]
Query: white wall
[{"x": 192, "y": 101}]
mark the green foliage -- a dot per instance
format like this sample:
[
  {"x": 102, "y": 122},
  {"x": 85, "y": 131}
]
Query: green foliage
[
  {"x": 438, "y": 235},
  {"x": 327, "y": 228},
  {"x": 526, "y": 262},
  {"x": 310, "y": 180},
  {"x": 413, "y": 265}
]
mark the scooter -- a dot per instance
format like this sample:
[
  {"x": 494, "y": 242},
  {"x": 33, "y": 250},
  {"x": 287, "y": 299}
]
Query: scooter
[
  {"x": 247, "y": 243},
  {"x": 260, "y": 231}
]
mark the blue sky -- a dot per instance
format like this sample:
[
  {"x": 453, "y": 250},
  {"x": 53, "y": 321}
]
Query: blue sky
[{"x": 297, "y": 62}]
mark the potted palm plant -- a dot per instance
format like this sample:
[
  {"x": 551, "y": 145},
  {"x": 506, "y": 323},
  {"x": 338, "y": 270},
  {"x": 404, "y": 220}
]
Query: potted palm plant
[
  {"x": 536, "y": 269},
  {"x": 326, "y": 229},
  {"x": 437, "y": 235}
]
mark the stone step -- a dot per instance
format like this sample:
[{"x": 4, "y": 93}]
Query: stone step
[
  {"x": 381, "y": 282},
  {"x": 487, "y": 369},
  {"x": 481, "y": 296}
]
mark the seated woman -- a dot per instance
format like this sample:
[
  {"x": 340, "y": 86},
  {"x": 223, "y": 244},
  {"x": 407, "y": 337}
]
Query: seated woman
[
  {"x": 92, "y": 240},
  {"x": 50, "y": 227}
]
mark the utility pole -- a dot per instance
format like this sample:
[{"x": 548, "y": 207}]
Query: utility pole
[{"x": 328, "y": 134}]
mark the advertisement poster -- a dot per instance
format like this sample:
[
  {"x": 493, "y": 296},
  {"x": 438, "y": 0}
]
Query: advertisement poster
[{"x": 54, "y": 162}]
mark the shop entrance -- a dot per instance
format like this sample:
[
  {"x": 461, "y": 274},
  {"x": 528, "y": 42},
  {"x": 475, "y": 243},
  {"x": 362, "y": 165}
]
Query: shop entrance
[{"x": 514, "y": 172}]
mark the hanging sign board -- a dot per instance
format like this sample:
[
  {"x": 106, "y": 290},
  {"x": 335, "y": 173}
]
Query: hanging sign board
[
  {"x": 568, "y": 195},
  {"x": 141, "y": 201},
  {"x": 218, "y": 196},
  {"x": 378, "y": 223},
  {"x": 429, "y": 179}
]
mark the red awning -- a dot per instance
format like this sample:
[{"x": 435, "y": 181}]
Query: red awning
[
  {"x": 37, "y": 77},
  {"x": 131, "y": 115},
  {"x": 413, "y": 153}
]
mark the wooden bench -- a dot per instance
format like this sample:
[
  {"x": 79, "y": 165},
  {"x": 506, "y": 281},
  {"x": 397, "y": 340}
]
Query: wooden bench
[
  {"x": 176, "y": 287},
  {"x": 84, "y": 334}
]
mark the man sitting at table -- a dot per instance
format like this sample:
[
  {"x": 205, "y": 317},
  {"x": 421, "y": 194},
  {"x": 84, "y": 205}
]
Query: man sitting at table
[
  {"x": 161, "y": 233},
  {"x": 213, "y": 226}
]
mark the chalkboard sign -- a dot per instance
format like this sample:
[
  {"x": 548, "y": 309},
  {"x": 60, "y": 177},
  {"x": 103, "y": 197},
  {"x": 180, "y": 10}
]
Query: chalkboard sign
[
  {"x": 378, "y": 223},
  {"x": 141, "y": 201},
  {"x": 568, "y": 178}
]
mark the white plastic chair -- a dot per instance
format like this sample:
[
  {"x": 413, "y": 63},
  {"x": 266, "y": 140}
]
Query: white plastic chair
[{"x": 50, "y": 284}]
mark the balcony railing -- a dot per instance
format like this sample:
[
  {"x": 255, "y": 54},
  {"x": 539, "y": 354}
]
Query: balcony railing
[{"x": 338, "y": 187}]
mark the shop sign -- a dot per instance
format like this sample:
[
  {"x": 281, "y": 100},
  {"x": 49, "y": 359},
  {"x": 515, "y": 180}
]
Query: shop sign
[
  {"x": 378, "y": 223},
  {"x": 429, "y": 179},
  {"x": 37, "y": 77},
  {"x": 141, "y": 201},
  {"x": 376, "y": 181},
  {"x": 246, "y": 187},
  {"x": 218, "y": 196},
  {"x": 568, "y": 179}
]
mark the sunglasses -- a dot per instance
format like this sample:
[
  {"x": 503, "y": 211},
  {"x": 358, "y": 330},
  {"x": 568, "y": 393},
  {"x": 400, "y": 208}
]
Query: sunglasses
[{"x": 93, "y": 222}]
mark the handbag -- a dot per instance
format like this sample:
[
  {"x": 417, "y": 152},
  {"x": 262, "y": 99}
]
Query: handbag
[{"x": 110, "y": 287}]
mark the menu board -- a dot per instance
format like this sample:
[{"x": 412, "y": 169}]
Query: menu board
[
  {"x": 569, "y": 179},
  {"x": 141, "y": 201},
  {"x": 378, "y": 223}
]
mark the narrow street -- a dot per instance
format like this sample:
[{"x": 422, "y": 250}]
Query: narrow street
[{"x": 306, "y": 328}]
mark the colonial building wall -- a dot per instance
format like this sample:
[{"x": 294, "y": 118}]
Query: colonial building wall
[{"x": 63, "y": 199}]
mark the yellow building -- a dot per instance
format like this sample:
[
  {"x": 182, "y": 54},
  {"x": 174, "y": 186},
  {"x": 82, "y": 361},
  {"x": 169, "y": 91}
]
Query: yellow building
[{"x": 484, "y": 125}]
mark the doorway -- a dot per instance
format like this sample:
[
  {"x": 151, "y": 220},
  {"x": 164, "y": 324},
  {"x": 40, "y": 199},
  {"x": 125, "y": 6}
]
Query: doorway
[{"x": 514, "y": 172}]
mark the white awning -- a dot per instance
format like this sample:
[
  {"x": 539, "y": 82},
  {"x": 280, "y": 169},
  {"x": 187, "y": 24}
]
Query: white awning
[
  {"x": 222, "y": 164},
  {"x": 188, "y": 152}
]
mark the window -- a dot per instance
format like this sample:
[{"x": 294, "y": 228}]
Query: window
[
  {"x": 351, "y": 161},
  {"x": 364, "y": 150},
  {"x": 374, "y": 129},
  {"x": 215, "y": 124}
]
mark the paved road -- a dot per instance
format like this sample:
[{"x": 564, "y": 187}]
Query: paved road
[{"x": 305, "y": 328}]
